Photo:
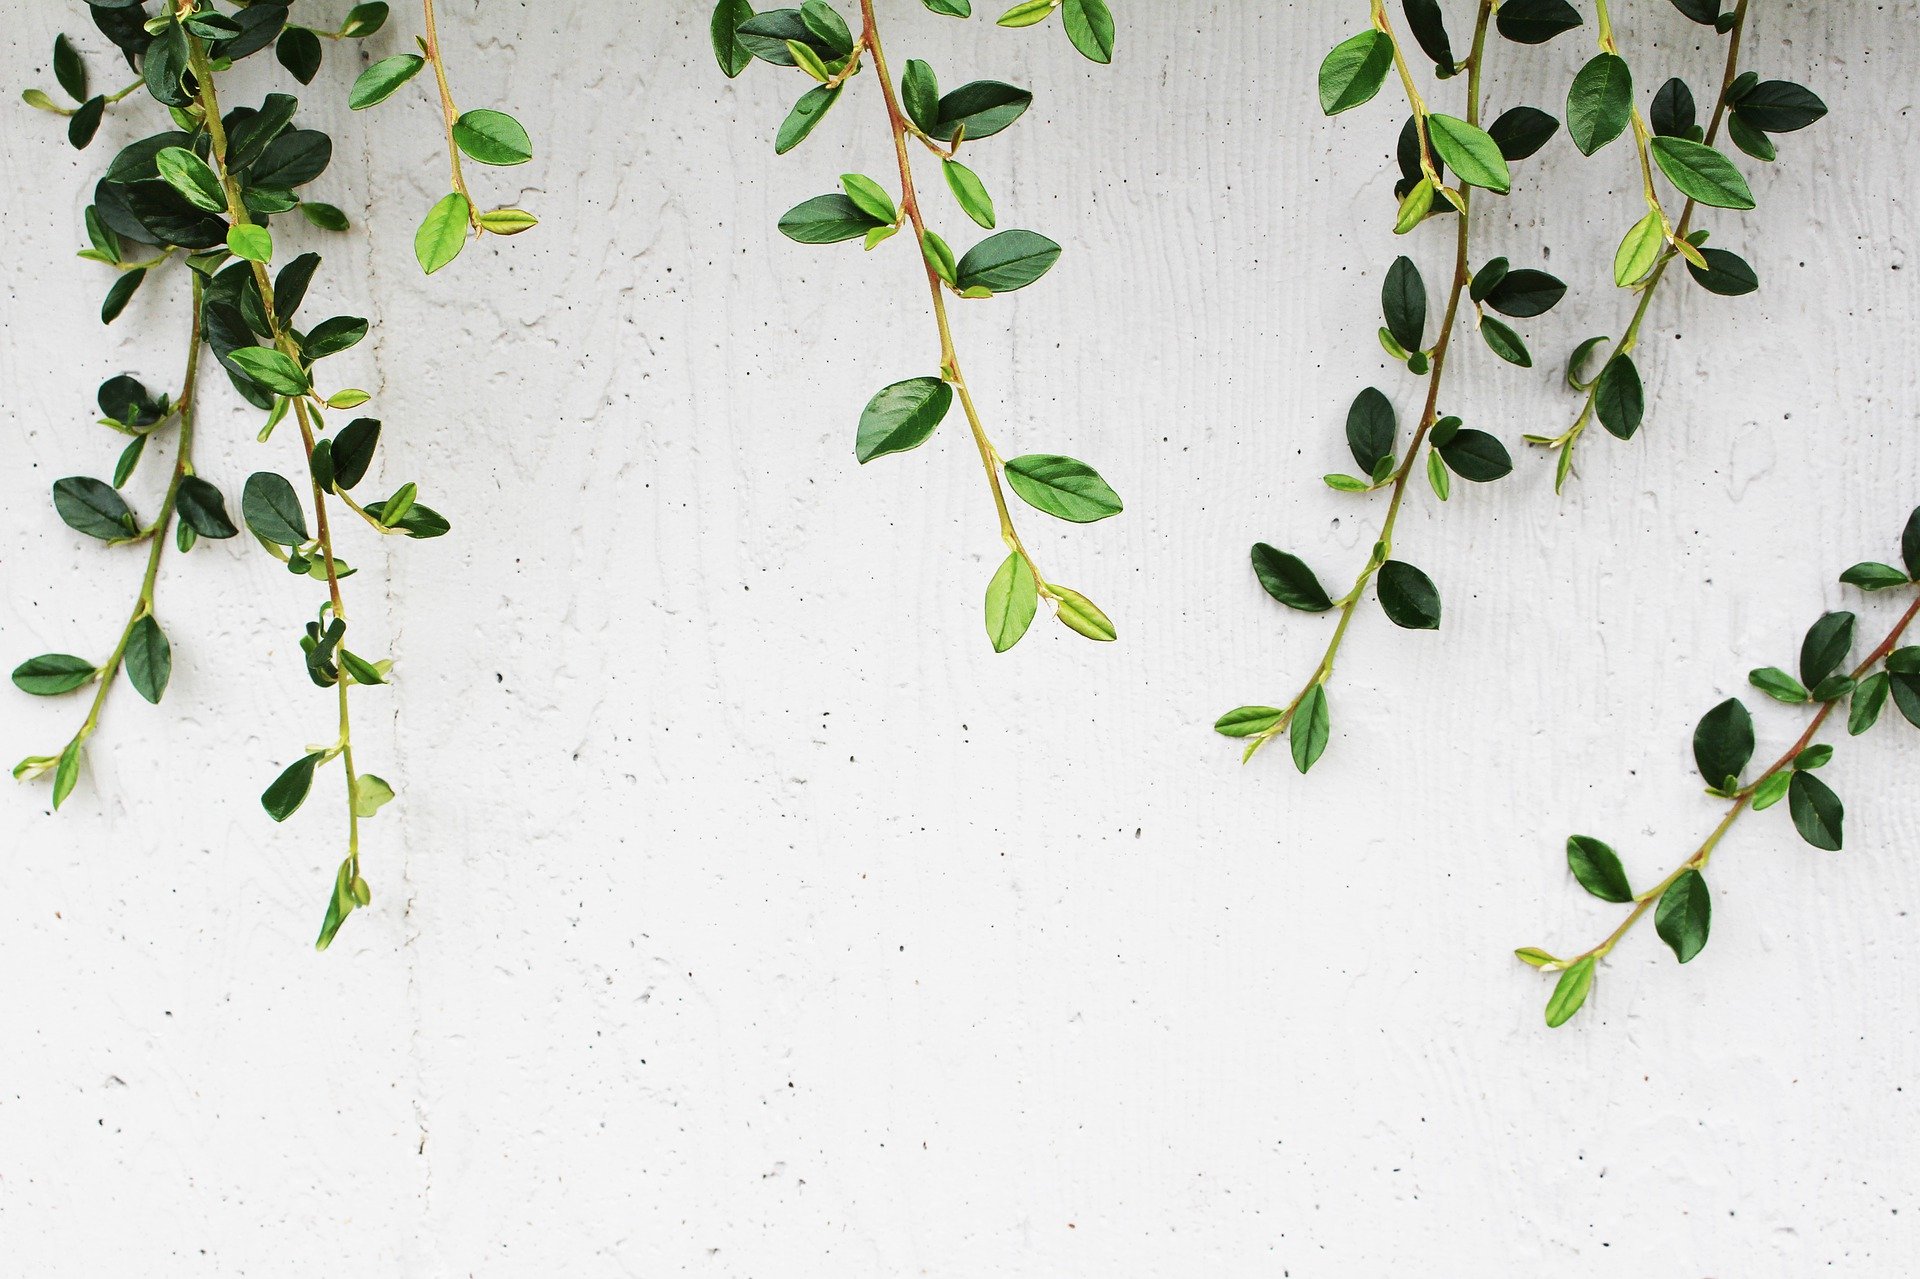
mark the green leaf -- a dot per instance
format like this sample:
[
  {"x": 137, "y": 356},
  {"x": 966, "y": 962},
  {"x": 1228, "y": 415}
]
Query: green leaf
[
  {"x": 1874, "y": 577},
  {"x": 1639, "y": 250},
  {"x": 204, "y": 509},
  {"x": 443, "y": 233},
  {"x": 1749, "y": 139},
  {"x": 1410, "y": 598},
  {"x": 829, "y": 29},
  {"x": 1817, "y": 812},
  {"x": 325, "y": 216},
  {"x": 1310, "y": 729},
  {"x": 363, "y": 672},
  {"x": 969, "y": 191},
  {"x": 827, "y": 219},
  {"x": 1570, "y": 992},
  {"x": 364, "y": 19},
  {"x": 1598, "y": 869},
  {"x": 377, "y": 83},
  {"x": 1372, "y": 429},
  {"x": 1006, "y": 261},
  {"x": 1288, "y": 579},
  {"x": 370, "y": 794},
  {"x": 869, "y": 196},
  {"x": 69, "y": 70},
  {"x": 1504, "y": 342},
  {"x": 1723, "y": 744},
  {"x": 1476, "y": 456},
  {"x": 902, "y": 417},
  {"x": 733, "y": 56},
  {"x": 1702, "y": 173},
  {"x": 1536, "y": 21},
  {"x": 272, "y": 369},
  {"x": 86, "y": 123},
  {"x": 1620, "y": 399},
  {"x": 120, "y": 294},
  {"x": 981, "y": 108},
  {"x": 52, "y": 674},
  {"x": 1685, "y": 915},
  {"x": 1526, "y": 293},
  {"x": 1600, "y": 102},
  {"x": 1353, "y": 73},
  {"x": 1080, "y": 614},
  {"x": 289, "y": 790},
  {"x": 66, "y": 775},
  {"x": 1906, "y": 697},
  {"x": 807, "y": 112},
  {"x": 950, "y": 8},
  {"x": 1771, "y": 790},
  {"x": 254, "y": 243},
  {"x": 493, "y": 137},
  {"x": 332, "y": 336},
  {"x": 90, "y": 507},
  {"x": 1828, "y": 642},
  {"x": 920, "y": 95},
  {"x": 298, "y": 50},
  {"x": 272, "y": 510},
  {"x": 1403, "y": 300},
  {"x": 1089, "y": 26},
  {"x": 1248, "y": 721},
  {"x": 341, "y": 903},
  {"x": 1027, "y": 13},
  {"x": 1778, "y": 685},
  {"x": 1910, "y": 544},
  {"x": 1727, "y": 274},
  {"x": 1062, "y": 487},
  {"x": 1521, "y": 131},
  {"x": 1869, "y": 699},
  {"x": 1012, "y": 599},
  {"x": 1470, "y": 152},
  {"x": 1772, "y": 106},
  {"x": 1813, "y": 757},
  {"x": 188, "y": 174},
  {"x": 148, "y": 659},
  {"x": 353, "y": 450}
]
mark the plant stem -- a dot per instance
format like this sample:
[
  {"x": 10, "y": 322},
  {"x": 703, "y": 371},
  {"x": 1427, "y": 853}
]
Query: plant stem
[
  {"x": 1443, "y": 348},
  {"x": 1566, "y": 441},
  {"x": 284, "y": 342},
  {"x": 448, "y": 111},
  {"x": 1743, "y": 800},
  {"x": 182, "y": 468},
  {"x": 902, "y": 129}
]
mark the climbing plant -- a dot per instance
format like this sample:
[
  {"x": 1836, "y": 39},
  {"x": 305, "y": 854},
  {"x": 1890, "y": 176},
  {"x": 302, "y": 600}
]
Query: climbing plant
[
  {"x": 208, "y": 205},
  {"x": 1444, "y": 160},
  {"x": 816, "y": 43},
  {"x": 1723, "y": 748}
]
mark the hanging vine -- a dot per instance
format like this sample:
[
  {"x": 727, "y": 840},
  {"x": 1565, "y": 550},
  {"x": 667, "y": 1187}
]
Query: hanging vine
[
  {"x": 1723, "y": 748},
  {"x": 1433, "y": 147},
  {"x": 816, "y": 42},
  {"x": 197, "y": 203}
]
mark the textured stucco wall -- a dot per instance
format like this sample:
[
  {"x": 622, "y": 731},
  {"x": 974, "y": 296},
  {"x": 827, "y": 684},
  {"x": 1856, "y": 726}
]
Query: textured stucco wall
[{"x": 742, "y": 915}]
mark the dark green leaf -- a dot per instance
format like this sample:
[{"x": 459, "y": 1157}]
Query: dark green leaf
[
  {"x": 272, "y": 510},
  {"x": 1372, "y": 429},
  {"x": 1685, "y": 915},
  {"x": 1727, "y": 274},
  {"x": 1521, "y": 131},
  {"x": 1673, "y": 109},
  {"x": 1504, "y": 342},
  {"x": 1288, "y": 579},
  {"x": 1723, "y": 744},
  {"x": 1701, "y": 173},
  {"x": 1869, "y": 699},
  {"x": 1409, "y": 596},
  {"x": 1620, "y": 399},
  {"x": 827, "y": 219},
  {"x": 1403, "y": 299},
  {"x": 330, "y": 337},
  {"x": 732, "y": 55},
  {"x": 1777, "y": 106},
  {"x": 352, "y": 453},
  {"x": 1600, "y": 102},
  {"x": 1429, "y": 27},
  {"x": 1598, "y": 869},
  {"x": 1778, "y": 685},
  {"x": 378, "y": 82},
  {"x": 299, "y": 52},
  {"x": 204, "y": 509},
  {"x": 920, "y": 95},
  {"x": 69, "y": 70},
  {"x": 149, "y": 659},
  {"x": 1751, "y": 140},
  {"x": 1874, "y": 577},
  {"x": 85, "y": 124},
  {"x": 983, "y": 108},
  {"x": 51, "y": 674},
  {"x": 806, "y": 114},
  {"x": 1526, "y": 293},
  {"x": 1817, "y": 812},
  {"x": 90, "y": 507},
  {"x": 289, "y": 790},
  {"x": 293, "y": 159},
  {"x": 1536, "y": 21},
  {"x": 120, "y": 294},
  {"x": 1827, "y": 644},
  {"x": 1006, "y": 261},
  {"x": 1906, "y": 696},
  {"x": 1910, "y": 544},
  {"x": 1476, "y": 456}
]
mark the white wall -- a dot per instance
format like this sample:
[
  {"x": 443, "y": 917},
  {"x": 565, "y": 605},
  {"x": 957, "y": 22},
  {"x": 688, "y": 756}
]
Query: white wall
[{"x": 743, "y": 915}]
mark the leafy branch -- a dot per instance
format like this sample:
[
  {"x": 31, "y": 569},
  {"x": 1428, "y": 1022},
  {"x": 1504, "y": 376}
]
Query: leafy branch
[
  {"x": 816, "y": 41},
  {"x": 1600, "y": 108},
  {"x": 1431, "y": 145},
  {"x": 1723, "y": 747}
]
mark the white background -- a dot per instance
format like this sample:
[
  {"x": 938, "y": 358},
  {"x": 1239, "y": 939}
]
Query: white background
[{"x": 742, "y": 914}]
